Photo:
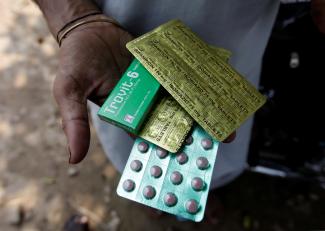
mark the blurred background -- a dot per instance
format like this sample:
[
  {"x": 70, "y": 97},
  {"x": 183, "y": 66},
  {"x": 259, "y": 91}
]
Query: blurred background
[{"x": 283, "y": 188}]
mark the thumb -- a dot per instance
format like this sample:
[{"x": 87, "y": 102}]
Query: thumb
[{"x": 73, "y": 108}]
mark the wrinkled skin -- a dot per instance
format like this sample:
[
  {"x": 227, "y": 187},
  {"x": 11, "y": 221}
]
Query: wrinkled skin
[{"x": 92, "y": 58}]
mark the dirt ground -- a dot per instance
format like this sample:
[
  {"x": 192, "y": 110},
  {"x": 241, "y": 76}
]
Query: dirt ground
[{"x": 39, "y": 190}]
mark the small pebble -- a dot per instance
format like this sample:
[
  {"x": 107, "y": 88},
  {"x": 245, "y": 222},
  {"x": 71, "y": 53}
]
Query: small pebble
[
  {"x": 109, "y": 172},
  {"x": 189, "y": 140},
  {"x": 128, "y": 185},
  {"x": 107, "y": 189},
  {"x": 15, "y": 215},
  {"x": 143, "y": 147},
  {"x": 300, "y": 198},
  {"x": 136, "y": 165},
  {"x": 197, "y": 183},
  {"x": 72, "y": 172},
  {"x": 161, "y": 153},
  {"x": 314, "y": 197},
  {"x": 206, "y": 143},
  {"x": 202, "y": 163},
  {"x": 170, "y": 199},
  {"x": 176, "y": 178},
  {"x": 149, "y": 192},
  {"x": 290, "y": 202},
  {"x": 28, "y": 215},
  {"x": 155, "y": 171},
  {"x": 77, "y": 222},
  {"x": 107, "y": 199},
  {"x": 191, "y": 206},
  {"x": 114, "y": 221},
  {"x": 182, "y": 158},
  {"x": 247, "y": 222}
]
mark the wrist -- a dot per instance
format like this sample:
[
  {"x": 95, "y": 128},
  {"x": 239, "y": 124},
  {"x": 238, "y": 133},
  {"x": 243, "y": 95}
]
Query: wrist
[
  {"x": 81, "y": 22},
  {"x": 60, "y": 12}
]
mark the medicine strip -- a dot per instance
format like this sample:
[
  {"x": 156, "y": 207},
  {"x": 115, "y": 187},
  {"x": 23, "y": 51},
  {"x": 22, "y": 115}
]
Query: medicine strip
[
  {"x": 175, "y": 183},
  {"x": 167, "y": 125},
  {"x": 208, "y": 88}
]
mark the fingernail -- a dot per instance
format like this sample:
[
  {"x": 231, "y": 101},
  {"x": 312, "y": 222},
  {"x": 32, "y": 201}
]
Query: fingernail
[{"x": 230, "y": 138}]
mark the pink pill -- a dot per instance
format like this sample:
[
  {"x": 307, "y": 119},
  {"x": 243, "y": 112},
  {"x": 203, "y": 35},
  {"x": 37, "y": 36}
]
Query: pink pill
[
  {"x": 128, "y": 185},
  {"x": 155, "y": 171},
  {"x": 182, "y": 158},
  {"x": 136, "y": 165},
  {"x": 149, "y": 192},
  {"x": 176, "y": 178},
  {"x": 202, "y": 163},
  {"x": 170, "y": 199},
  {"x": 206, "y": 143},
  {"x": 192, "y": 206},
  {"x": 161, "y": 153},
  {"x": 197, "y": 183},
  {"x": 143, "y": 147},
  {"x": 189, "y": 140}
]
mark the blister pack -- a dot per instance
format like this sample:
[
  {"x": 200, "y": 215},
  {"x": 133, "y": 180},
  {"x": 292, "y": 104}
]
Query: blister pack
[
  {"x": 209, "y": 89},
  {"x": 175, "y": 183},
  {"x": 167, "y": 125}
]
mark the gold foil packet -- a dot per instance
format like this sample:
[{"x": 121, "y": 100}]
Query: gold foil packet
[
  {"x": 221, "y": 52},
  {"x": 207, "y": 87},
  {"x": 167, "y": 125}
]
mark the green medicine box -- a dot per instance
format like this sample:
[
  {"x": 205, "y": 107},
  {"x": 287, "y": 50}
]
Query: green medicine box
[{"x": 131, "y": 99}]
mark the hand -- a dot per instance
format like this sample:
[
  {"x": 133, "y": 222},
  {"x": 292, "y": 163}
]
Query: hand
[
  {"x": 230, "y": 138},
  {"x": 91, "y": 60}
]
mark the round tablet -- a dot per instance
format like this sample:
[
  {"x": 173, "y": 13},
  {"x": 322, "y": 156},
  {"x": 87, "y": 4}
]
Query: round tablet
[
  {"x": 149, "y": 192},
  {"x": 206, "y": 143},
  {"x": 170, "y": 199},
  {"x": 197, "y": 183},
  {"x": 161, "y": 153},
  {"x": 202, "y": 163},
  {"x": 143, "y": 147},
  {"x": 176, "y": 177},
  {"x": 182, "y": 158},
  {"x": 128, "y": 185},
  {"x": 189, "y": 140},
  {"x": 155, "y": 171},
  {"x": 136, "y": 165},
  {"x": 191, "y": 206}
]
